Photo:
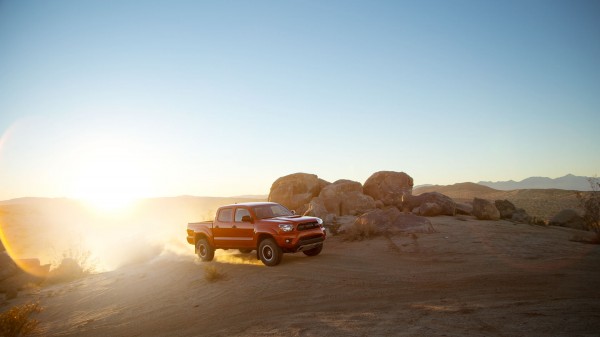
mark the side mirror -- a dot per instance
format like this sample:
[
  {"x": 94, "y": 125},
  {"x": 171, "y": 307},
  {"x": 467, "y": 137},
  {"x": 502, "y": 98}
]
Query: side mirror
[
  {"x": 247, "y": 218},
  {"x": 294, "y": 212}
]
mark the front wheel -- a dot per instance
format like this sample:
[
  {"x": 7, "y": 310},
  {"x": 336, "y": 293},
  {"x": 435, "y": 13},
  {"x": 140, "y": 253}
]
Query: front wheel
[
  {"x": 313, "y": 251},
  {"x": 269, "y": 252},
  {"x": 205, "y": 251}
]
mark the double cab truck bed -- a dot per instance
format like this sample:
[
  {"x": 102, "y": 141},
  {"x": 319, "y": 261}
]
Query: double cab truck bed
[{"x": 267, "y": 227}]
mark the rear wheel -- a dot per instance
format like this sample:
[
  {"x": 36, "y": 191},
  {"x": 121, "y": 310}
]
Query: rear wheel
[
  {"x": 269, "y": 252},
  {"x": 313, "y": 251},
  {"x": 204, "y": 250}
]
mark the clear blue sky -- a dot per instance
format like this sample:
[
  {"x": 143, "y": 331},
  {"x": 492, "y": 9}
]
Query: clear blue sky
[{"x": 223, "y": 97}]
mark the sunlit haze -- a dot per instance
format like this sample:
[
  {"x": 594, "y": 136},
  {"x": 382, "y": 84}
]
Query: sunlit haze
[{"x": 113, "y": 101}]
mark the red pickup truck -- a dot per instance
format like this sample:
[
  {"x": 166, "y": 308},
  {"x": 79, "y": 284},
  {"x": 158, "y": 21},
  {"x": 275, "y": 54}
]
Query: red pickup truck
[{"x": 267, "y": 227}]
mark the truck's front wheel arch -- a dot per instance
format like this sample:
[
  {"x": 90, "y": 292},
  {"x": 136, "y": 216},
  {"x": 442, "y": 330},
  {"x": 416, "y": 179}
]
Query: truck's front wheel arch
[{"x": 205, "y": 251}]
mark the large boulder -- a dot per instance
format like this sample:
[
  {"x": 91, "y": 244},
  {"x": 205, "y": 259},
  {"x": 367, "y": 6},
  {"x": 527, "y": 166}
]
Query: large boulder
[
  {"x": 432, "y": 204},
  {"x": 296, "y": 190},
  {"x": 345, "y": 197},
  {"x": 569, "y": 218},
  {"x": 464, "y": 208},
  {"x": 429, "y": 209},
  {"x": 390, "y": 187},
  {"x": 485, "y": 210},
  {"x": 521, "y": 216},
  {"x": 510, "y": 212},
  {"x": 506, "y": 208},
  {"x": 391, "y": 220},
  {"x": 316, "y": 207}
]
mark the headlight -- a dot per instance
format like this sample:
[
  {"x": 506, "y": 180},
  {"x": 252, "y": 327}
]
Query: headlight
[
  {"x": 320, "y": 221},
  {"x": 286, "y": 227}
]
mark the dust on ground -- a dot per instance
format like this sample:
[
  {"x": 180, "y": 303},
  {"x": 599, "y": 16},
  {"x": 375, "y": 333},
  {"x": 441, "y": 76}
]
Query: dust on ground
[{"x": 471, "y": 278}]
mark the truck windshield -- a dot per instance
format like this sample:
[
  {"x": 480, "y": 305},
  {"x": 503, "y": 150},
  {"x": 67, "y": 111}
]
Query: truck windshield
[{"x": 271, "y": 211}]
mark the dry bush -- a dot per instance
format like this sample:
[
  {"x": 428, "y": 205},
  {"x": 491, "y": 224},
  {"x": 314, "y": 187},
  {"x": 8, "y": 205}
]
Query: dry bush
[
  {"x": 360, "y": 231},
  {"x": 212, "y": 274},
  {"x": 74, "y": 264},
  {"x": 16, "y": 321}
]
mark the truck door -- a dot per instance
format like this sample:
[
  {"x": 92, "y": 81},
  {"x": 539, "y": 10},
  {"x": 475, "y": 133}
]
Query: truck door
[
  {"x": 223, "y": 228},
  {"x": 244, "y": 231}
]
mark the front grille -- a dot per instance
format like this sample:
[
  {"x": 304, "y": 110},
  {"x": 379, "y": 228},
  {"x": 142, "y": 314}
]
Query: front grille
[{"x": 307, "y": 226}]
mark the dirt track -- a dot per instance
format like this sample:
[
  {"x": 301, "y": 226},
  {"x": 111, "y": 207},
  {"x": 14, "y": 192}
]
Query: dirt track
[{"x": 472, "y": 278}]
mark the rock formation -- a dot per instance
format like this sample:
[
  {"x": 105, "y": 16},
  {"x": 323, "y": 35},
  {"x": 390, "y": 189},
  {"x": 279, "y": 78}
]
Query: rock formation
[
  {"x": 345, "y": 197},
  {"x": 431, "y": 204},
  {"x": 464, "y": 208},
  {"x": 391, "y": 220},
  {"x": 510, "y": 212},
  {"x": 485, "y": 210},
  {"x": 295, "y": 191},
  {"x": 569, "y": 218},
  {"x": 390, "y": 187}
]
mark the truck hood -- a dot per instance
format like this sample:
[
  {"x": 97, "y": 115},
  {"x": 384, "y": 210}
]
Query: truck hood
[{"x": 292, "y": 219}]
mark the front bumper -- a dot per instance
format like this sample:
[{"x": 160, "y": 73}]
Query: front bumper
[
  {"x": 291, "y": 243},
  {"x": 309, "y": 243}
]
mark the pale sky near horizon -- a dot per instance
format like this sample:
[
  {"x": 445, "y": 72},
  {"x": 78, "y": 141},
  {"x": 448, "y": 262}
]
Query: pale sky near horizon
[{"x": 220, "y": 98}]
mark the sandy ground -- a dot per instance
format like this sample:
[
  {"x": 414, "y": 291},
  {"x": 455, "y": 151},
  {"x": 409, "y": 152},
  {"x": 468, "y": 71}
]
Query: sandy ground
[{"x": 471, "y": 278}]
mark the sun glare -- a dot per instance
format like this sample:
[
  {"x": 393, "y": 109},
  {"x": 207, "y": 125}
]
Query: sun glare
[{"x": 110, "y": 177}]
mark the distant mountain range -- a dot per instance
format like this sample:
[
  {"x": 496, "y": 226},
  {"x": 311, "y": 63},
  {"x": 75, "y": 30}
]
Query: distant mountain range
[{"x": 568, "y": 182}]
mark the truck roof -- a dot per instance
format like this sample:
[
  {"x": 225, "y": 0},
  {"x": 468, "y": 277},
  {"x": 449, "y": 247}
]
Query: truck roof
[{"x": 255, "y": 203}]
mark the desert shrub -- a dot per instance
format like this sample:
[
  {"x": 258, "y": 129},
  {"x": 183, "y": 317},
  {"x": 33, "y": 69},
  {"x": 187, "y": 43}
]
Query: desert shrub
[
  {"x": 16, "y": 321},
  {"x": 212, "y": 274},
  {"x": 74, "y": 264},
  {"x": 590, "y": 202},
  {"x": 360, "y": 231}
]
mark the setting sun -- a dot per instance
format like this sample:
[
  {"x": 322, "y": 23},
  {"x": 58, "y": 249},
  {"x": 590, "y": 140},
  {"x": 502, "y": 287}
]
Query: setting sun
[{"x": 110, "y": 176}]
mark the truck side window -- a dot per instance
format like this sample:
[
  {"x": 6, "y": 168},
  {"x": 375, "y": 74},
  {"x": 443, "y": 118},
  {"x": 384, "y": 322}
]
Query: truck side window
[
  {"x": 239, "y": 213},
  {"x": 225, "y": 215}
]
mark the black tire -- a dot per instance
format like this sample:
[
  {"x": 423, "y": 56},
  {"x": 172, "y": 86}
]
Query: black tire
[
  {"x": 246, "y": 250},
  {"x": 269, "y": 252},
  {"x": 204, "y": 250},
  {"x": 313, "y": 251}
]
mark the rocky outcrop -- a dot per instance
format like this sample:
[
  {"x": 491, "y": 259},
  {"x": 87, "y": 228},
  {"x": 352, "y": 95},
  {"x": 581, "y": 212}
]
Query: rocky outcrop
[
  {"x": 506, "y": 208},
  {"x": 316, "y": 207},
  {"x": 485, "y": 210},
  {"x": 13, "y": 278},
  {"x": 429, "y": 209},
  {"x": 463, "y": 208},
  {"x": 569, "y": 218},
  {"x": 521, "y": 216},
  {"x": 391, "y": 220},
  {"x": 295, "y": 191},
  {"x": 345, "y": 197},
  {"x": 431, "y": 204},
  {"x": 390, "y": 187},
  {"x": 509, "y": 211}
]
